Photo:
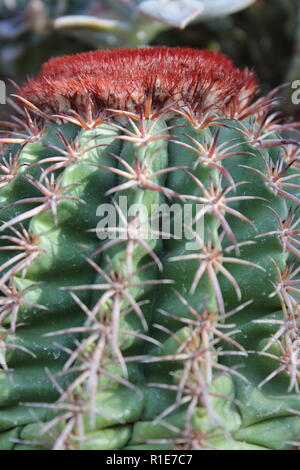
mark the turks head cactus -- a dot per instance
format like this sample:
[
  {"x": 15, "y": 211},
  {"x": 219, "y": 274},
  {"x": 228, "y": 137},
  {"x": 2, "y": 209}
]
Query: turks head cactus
[{"x": 149, "y": 258}]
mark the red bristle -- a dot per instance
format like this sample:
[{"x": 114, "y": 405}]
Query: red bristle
[{"x": 126, "y": 79}]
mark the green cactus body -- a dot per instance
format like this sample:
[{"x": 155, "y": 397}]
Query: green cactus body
[{"x": 117, "y": 332}]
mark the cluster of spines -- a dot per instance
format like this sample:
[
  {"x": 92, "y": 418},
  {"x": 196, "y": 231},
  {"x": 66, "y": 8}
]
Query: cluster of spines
[{"x": 102, "y": 347}]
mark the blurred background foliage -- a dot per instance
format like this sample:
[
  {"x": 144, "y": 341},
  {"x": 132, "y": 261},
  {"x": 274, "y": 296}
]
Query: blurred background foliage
[{"x": 264, "y": 36}]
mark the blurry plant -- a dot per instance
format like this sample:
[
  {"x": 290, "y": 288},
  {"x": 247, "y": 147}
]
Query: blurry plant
[
  {"x": 293, "y": 72},
  {"x": 45, "y": 27}
]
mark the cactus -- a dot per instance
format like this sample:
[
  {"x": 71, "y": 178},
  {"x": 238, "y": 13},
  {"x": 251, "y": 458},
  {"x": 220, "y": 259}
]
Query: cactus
[
  {"x": 32, "y": 31},
  {"x": 149, "y": 258}
]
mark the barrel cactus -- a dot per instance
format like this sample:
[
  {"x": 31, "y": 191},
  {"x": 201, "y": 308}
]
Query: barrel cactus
[{"x": 149, "y": 258}]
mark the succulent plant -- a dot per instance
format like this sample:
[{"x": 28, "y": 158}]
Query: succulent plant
[
  {"x": 32, "y": 31},
  {"x": 149, "y": 257}
]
